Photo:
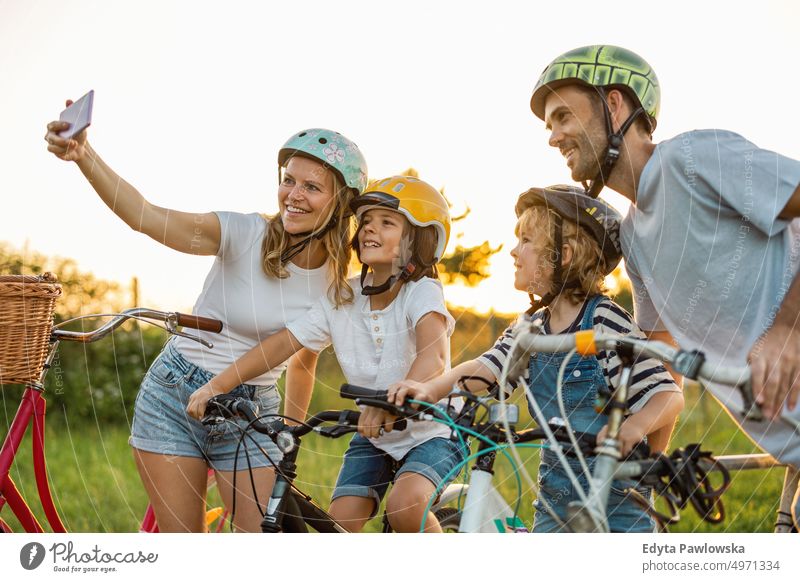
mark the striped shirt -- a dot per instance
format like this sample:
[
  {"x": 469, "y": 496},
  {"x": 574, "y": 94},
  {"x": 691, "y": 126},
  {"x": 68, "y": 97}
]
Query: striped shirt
[{"x": 649, "y": 375}]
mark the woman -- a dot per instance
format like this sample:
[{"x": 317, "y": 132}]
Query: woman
[{"x": 268, "y": 271}]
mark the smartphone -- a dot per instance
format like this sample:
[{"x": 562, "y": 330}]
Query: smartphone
[{"x": 78, "y": 115}]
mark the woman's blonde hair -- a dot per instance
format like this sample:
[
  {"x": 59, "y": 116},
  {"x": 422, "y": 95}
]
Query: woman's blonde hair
[
  {"x": 587, "y": 267},
  {"x": 335, "y": 241}
]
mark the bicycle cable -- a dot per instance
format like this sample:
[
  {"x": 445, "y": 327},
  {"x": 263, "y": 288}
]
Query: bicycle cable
[
  {"x": 449, "y": 421},
  {"x": 496, "y": 447},
  {"x": 504, "y": 383}
]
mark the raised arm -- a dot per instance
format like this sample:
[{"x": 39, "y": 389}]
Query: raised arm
[
  {"x": 271, "y": 352},
  {"x": 187, "y": 232}
]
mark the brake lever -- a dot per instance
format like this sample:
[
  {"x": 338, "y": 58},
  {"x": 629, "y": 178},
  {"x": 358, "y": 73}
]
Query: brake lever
[
  {"x": 171, "y": 325},
  {"x": 347, "y": 423}
]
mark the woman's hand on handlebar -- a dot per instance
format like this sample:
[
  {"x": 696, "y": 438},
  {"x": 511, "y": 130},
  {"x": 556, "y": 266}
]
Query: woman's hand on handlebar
[
  {"x": 198, "y": 400},
  {"x": 373, "y": 422},
  {"x": 70, "y": 150},
  {"x": 411, "y": 389}
]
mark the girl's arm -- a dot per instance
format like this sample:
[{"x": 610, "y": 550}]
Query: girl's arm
[
  {"x": 299, "y": 384},
  {"x": 660, "y": 411},
  {"x": 271, "y": 352},
  {"x": 437, "y": 388},
  {"x": 187, "y": 232}
]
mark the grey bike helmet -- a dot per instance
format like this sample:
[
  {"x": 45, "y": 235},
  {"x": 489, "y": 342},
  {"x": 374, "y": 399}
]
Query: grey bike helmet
[{"x": 574, "y": 204}]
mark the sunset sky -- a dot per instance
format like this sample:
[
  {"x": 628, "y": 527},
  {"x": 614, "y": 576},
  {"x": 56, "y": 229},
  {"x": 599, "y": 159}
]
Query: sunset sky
[{"x": 193, "y": 100}]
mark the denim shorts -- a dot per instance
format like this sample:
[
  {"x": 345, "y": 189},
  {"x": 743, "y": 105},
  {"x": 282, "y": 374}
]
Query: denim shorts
[
  {"x": 367, "y": 471},
  {"x": 624, "y": 514},
  {"x": 161, "y": 424}
]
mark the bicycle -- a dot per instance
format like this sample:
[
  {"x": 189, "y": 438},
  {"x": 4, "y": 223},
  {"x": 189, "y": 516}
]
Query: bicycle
[
  {"x": 33, "y": 406},
  {"x": 289, "y": 509},
  {"x": 688, "y": 471}
]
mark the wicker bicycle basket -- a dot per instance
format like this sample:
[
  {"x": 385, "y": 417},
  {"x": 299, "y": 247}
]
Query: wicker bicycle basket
[{"x": 26, "y": 320}]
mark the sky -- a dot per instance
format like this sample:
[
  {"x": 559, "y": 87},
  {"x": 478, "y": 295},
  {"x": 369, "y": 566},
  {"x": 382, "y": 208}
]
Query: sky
[{"x": 193, "y": 101}]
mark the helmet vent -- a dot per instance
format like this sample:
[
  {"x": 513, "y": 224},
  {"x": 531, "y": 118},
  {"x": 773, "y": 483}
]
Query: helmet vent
[
  {"x": 322, "y": 140},
  {"x": 301, "y": 134},
  {"x": 398, "y": 187}
]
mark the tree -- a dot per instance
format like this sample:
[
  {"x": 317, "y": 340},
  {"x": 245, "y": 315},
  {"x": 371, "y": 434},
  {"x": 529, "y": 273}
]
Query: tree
[
  {"x": 88, "y": 381},
  {"x": 469, "y": 265}
]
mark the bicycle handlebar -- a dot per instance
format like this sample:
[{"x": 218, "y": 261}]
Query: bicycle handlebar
[
  {"x": 690, "y": 364},
  {"x": 172, "y": 319},
  {"x": 226, "y": 406}
]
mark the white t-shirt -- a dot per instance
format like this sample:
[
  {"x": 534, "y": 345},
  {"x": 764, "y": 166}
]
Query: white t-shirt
[
  {"x": 252, "y": 305},
  {"x": 376, "y": 348}
]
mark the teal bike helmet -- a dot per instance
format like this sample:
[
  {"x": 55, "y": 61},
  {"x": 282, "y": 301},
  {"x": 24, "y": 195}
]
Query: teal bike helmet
[
  {"x": 603, "y": 67},
  {"x": 336, "y": 153},
  {"x": 334, "y": 150}
]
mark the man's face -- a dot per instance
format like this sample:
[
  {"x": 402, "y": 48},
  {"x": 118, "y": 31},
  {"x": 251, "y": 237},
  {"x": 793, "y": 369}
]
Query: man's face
[{"x": 577, "y": 129}]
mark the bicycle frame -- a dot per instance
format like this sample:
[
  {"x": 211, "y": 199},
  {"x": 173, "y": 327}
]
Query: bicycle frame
[
  {"x": 32, "y": 411},
  {"x": 485, "y": 510}
]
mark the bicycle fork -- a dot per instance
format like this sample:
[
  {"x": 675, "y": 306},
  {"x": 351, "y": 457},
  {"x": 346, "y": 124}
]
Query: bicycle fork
[{"x": 485, "y": 510}]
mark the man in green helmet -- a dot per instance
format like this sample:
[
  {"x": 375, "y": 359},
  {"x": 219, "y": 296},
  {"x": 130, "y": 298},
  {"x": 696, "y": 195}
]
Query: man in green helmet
[{"x": 710, "y": 243}]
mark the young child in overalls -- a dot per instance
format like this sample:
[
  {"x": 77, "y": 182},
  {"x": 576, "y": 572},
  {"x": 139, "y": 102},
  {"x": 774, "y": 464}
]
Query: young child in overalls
[{"x": 568, "y": 243}]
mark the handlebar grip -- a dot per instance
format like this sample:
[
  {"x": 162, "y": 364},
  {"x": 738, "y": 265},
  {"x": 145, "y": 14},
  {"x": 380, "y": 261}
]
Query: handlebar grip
[
  {"x": 352, "y": 392},
  {"x": 197, "y": 322}
]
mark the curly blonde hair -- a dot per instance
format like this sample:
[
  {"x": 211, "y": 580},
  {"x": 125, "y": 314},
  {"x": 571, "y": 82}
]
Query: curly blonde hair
[
  {"x": 587, "y": 266},
  {"x": 335, "y": 241}
]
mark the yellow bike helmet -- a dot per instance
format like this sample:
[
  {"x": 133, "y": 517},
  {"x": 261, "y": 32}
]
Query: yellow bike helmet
[
  {"x": 418, "y": 201},
  {"x": 422, "y": 204}
]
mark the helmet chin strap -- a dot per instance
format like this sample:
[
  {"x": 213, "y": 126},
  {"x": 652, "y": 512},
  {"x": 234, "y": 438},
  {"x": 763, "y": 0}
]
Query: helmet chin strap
[
  {"x": 406, "y": 259},
  {"x": 613, "y": 148},
  {"x": 293, "y": 250},
  {"x": 404, "y": 275}
]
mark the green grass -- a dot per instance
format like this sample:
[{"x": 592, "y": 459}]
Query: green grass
[{"x": 96, "y": 487}]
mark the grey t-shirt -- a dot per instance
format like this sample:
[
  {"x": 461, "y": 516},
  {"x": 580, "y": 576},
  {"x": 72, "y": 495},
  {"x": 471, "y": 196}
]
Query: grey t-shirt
[{"x": 709, "y": 259}]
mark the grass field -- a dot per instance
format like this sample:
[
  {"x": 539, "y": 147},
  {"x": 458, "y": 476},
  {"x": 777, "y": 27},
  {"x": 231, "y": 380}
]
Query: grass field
[{"x": 97, "y": 489}]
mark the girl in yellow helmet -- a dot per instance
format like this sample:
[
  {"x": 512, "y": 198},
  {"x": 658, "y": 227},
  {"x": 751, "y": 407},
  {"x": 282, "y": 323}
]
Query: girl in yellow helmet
[{"x": 396, "y": 328}]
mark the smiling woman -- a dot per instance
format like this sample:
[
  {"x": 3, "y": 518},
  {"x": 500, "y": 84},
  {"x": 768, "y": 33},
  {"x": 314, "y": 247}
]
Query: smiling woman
[{"x": 268, "y": 271}]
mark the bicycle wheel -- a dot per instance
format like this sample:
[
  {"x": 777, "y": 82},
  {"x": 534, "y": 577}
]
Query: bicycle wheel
[{"x": 449, "y": 518}]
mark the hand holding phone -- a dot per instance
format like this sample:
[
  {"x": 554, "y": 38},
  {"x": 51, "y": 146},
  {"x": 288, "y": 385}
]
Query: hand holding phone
[{"x": 78, "y": 115}]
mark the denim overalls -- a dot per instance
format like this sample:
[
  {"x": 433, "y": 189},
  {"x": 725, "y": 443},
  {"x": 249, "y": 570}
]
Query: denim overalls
[{"x": 583, "y": 378}]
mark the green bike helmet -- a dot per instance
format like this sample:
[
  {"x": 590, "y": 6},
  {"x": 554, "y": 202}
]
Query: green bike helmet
[
  {"x": 331, "y": 148},
  {"x": 335, "y": 152},
  {"x": 603, "y": 67}
]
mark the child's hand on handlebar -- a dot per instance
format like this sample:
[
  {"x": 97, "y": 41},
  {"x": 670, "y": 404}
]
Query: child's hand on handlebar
[
  {"x": 630, "y": 434},
  {"x": 398, "y": 393},
  {"x": 198, "y": 400},
  {"x": 373, "y": 422}
]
